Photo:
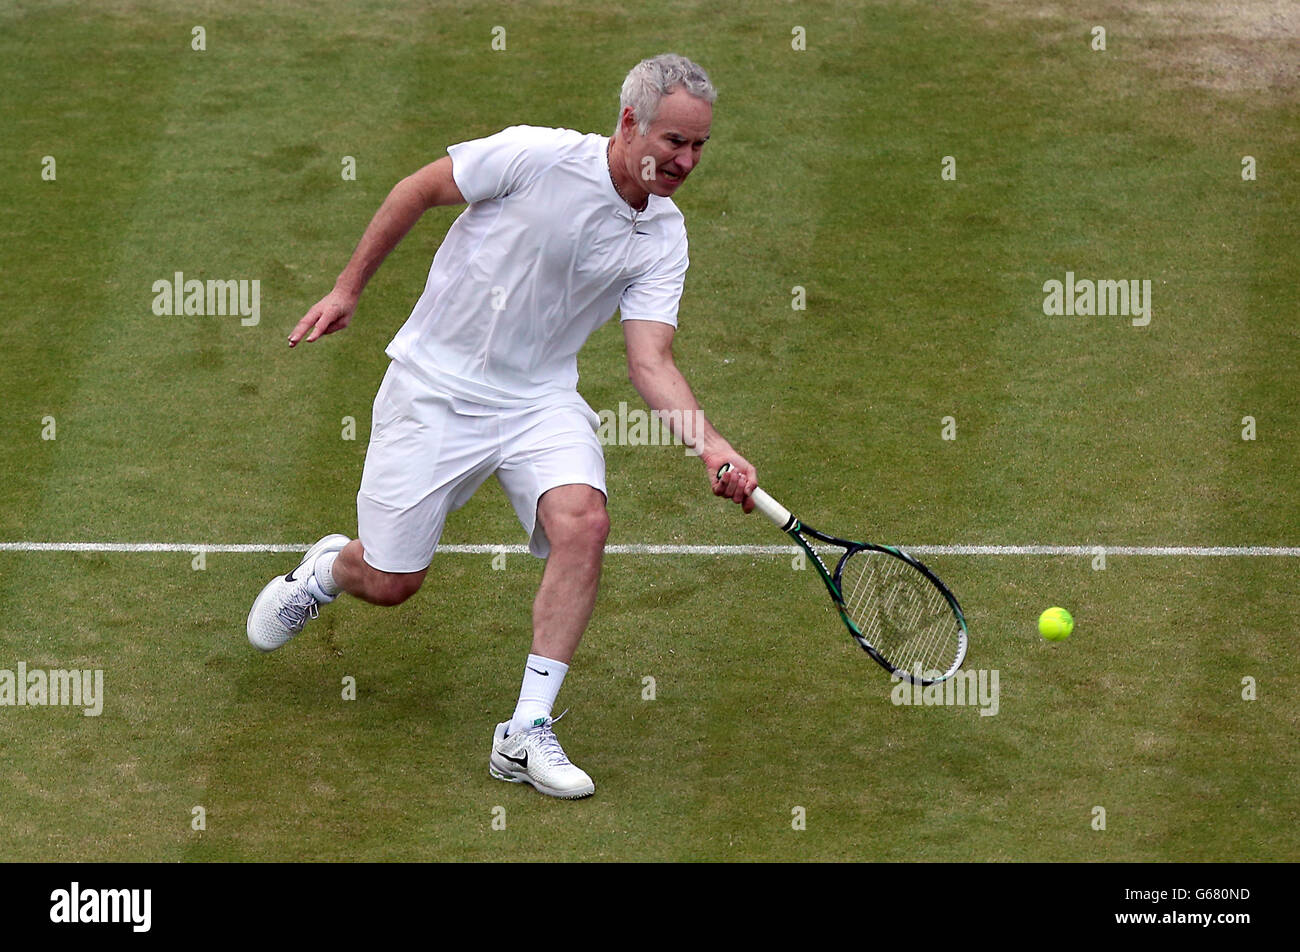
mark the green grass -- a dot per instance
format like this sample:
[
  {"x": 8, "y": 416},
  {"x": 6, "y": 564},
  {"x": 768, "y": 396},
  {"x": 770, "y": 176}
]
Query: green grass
[{"x": 924, "y": 301}]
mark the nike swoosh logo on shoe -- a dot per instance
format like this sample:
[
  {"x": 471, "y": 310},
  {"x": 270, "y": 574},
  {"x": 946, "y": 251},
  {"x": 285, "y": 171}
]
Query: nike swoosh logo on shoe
[
  {"x": 289, "y": 577},
  {"x": 521, "y": 761}
]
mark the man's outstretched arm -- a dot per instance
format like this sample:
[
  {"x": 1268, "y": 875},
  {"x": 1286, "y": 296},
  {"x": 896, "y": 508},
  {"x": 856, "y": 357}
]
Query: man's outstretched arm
[
  {"x": 410, "y": 198},
  {"x": 654, "y": 373}
]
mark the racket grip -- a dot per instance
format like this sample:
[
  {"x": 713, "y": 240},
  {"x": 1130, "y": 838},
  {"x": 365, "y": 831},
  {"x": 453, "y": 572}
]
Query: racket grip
[
  {"x": 771, "y": 508},
  {"x": 766, "y": 504}
]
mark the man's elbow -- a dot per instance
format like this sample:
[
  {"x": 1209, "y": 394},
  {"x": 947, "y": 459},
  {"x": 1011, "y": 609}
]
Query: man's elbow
[
  {"x": 642, "y": 372},
  {"x": 409, "y": 193},
  {"x": 635, "y": 374}
]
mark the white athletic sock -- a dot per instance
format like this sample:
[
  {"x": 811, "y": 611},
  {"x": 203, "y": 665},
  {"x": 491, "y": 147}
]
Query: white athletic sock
[
  {"x": 542, "y": 680},
  {"x": 324, "y": 574}
]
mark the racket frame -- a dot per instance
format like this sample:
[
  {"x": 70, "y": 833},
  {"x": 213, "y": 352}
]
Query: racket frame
[{"x": 792, "y": 526}]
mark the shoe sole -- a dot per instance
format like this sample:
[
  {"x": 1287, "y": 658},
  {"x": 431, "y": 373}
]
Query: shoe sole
[{"x": 542, "y": 788}]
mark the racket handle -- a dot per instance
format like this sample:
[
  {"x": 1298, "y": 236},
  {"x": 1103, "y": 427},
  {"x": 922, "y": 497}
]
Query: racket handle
[
  {"x": 766, "y": 504},
  {"x": 771, "y": 508}
]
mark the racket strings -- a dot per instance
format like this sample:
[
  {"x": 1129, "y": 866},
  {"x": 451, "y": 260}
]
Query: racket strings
[{"x": 900, "y": 613}]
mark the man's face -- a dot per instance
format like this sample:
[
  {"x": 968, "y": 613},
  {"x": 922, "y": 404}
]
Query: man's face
[{"x": 663, "y": 157}]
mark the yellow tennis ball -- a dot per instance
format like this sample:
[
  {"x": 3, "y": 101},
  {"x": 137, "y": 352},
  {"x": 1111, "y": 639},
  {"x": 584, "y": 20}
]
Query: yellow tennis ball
[{"x": 1055, "y": 624}]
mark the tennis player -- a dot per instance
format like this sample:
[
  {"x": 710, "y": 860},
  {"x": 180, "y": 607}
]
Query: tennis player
[{"x": 562, "y": 229}]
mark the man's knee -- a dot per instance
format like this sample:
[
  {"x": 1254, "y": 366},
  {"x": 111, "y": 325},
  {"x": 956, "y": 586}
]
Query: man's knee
[
  {"x": 577, "y": 519},
  {"x": 389, "y": 590},
  {"x": 595, "y": 524}
]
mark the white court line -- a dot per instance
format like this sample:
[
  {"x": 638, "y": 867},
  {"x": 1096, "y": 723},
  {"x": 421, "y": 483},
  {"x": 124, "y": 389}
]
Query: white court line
[{"x": 1253, "y": 551}]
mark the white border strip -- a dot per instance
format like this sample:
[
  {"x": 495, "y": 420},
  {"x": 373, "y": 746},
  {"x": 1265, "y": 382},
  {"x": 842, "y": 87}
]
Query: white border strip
[{"x": 1251, "y": 551}]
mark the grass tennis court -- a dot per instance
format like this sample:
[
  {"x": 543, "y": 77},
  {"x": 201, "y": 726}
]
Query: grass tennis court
[{"x": 924, "y": 319}]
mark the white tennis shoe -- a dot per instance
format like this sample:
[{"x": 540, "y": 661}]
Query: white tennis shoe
[
  {"x": 288, "y": 602},
  {"x": 534, "y": 756}
]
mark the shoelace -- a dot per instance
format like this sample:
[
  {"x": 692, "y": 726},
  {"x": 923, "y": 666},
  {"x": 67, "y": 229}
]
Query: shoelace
[
  {"x": 300, "y": 606},
  {"x": 548, "y": 745}
]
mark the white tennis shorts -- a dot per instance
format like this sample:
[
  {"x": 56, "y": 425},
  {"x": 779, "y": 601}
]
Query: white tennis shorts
[{"x": 429, "y": 452}]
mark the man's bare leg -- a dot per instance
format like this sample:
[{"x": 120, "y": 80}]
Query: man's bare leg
[
  {"x": 354, "y": 575},
  {"x": 524, "y": 748},
  {"x": 334, "y": 564},
  {"x": 576, "y": 525}
]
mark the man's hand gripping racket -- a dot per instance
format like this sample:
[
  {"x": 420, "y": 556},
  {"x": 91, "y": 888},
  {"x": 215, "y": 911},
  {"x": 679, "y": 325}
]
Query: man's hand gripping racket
[{"x": 894, "y": 607}]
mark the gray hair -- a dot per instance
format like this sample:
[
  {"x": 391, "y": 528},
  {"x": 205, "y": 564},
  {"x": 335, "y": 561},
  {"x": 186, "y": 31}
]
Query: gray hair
[{"x": 652, "y": 79}]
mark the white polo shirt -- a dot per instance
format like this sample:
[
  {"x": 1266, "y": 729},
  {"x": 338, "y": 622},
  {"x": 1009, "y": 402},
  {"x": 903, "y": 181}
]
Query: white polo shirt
[{"x": 544, "y": 254}]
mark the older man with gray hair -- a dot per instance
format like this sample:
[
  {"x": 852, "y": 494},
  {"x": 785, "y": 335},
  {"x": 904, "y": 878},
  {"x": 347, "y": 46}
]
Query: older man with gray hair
[{"x": 562, "y": 229}]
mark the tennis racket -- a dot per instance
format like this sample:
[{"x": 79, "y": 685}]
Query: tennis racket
[{"x": 894, "y": 607}]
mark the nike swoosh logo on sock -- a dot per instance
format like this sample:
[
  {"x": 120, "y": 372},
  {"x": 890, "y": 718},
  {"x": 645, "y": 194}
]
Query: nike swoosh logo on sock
[{"x": 545, "y": 674}]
